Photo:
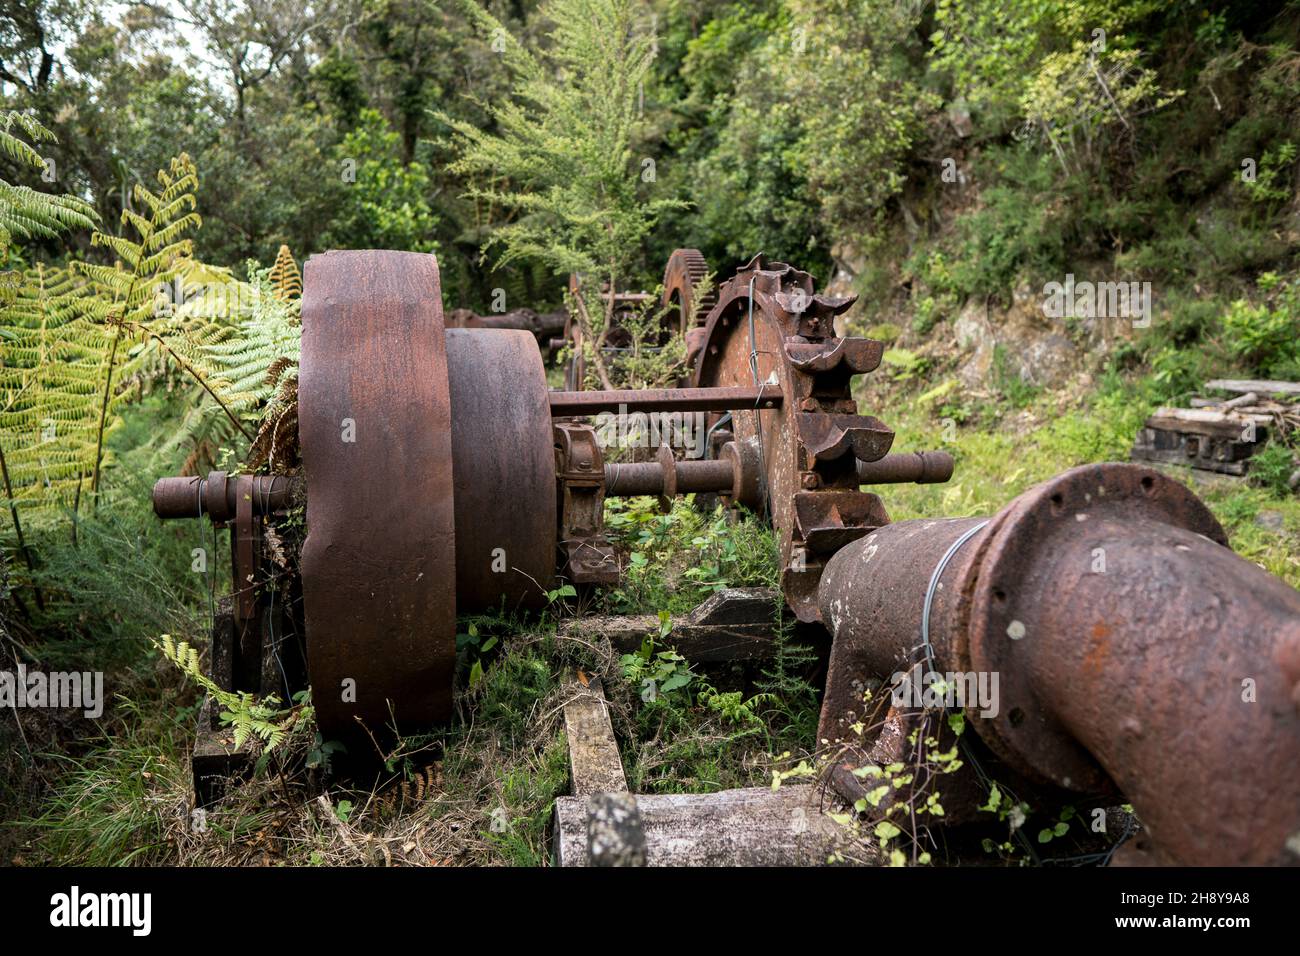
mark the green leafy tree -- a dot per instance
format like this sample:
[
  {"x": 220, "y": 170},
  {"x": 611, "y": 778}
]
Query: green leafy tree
[
  {"x": 562, "y": 166},
  {"x": 384, "y": 203},
  {"x": 861, "y": 105},
  {"x": 748, "y": 148},
  {"x": 1066, "y": 72}
]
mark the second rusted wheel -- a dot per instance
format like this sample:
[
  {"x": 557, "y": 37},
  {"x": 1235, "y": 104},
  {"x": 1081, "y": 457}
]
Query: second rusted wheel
[
  {"x": 686, "y": 269},
  {"x": 504, "y": 466}
]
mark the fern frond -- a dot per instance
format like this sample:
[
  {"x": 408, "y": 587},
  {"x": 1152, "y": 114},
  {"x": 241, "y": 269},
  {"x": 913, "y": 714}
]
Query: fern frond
[
  {"x": 285, "y": 280},
  {"x": 24, "y": 212},
  {"x": 262, "y": 720}
]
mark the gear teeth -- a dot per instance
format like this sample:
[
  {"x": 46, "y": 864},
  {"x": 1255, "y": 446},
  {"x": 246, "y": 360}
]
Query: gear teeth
[
  {"x": 856, "y": 355},
  {"x": 685, "y": 270},
  {"x": 828, "y": 520},
  {"x": 832, "y": 305},
  {"x": 773, "y": 277},
  {"x": 828, "y": 436}
]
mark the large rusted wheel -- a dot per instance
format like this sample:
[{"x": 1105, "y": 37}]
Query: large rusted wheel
[
  {"x": 379, "y": 562},
  {"x": 504, "y": 458}
]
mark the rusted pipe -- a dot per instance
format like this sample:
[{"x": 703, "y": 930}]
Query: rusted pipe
[
  {"x": 921, "y": 467},
  {"x": 647, "y": 478},
  {"x": 1132, "y": 649},
  {"x": 665, "y": 400},
  {"x": 216, "y": 495}
]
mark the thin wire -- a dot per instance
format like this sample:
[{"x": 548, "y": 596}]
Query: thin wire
[
  {"x": 934, "y": 584},
  {"x": 758, "y": 418},
  {"x": 930, "y": 591},
  {"x": 708, "y": 436}
]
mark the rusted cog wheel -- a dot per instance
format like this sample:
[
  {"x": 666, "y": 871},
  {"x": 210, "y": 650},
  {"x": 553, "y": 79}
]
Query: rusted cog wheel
[
  {"x": 770, "y": 327},
  {"x": 379, "y": 562},
  {"x": 686, "y": 269}
]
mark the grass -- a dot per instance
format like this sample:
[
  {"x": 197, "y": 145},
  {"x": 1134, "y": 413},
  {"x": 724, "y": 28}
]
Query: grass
[
  {"x": 478, "y": 792},
  {"x": 1000, "y": 458},
  {"x": 125, "y": 802}
]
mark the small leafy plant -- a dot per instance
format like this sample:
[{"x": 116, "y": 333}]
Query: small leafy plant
[{"x": 264, "y": 720}]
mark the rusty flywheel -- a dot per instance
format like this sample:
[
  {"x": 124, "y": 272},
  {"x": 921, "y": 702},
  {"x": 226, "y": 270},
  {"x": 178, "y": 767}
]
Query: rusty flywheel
[{"x": 379, "y": 561}]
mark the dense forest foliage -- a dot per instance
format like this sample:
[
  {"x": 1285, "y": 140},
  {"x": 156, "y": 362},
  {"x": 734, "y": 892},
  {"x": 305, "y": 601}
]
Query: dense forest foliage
[
  {"x": 809, "y": 130},
  {"x": 165, "y": 168}
]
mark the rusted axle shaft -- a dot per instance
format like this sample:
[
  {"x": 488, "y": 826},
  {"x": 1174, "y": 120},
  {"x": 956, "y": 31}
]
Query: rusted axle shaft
[
  {"x": 564, "y": 404},
  {"x": 921, "y": 467},
  {"x": 647, "y": 478},
  {"x": 1133, "y": 650},
  {"x": 217, "y": 495}
]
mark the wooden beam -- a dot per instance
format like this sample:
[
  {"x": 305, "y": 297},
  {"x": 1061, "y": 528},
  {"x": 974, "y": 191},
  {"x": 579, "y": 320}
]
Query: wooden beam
[
  {"x": 1260, "y": 386},
  {"x": 1204, "y": 421},
  {"x": 1226, "y": 405},
  {"x": 593, "y": 752},
  {"x": 734, "y": 624},
  {"x": 751, "y": 827}
]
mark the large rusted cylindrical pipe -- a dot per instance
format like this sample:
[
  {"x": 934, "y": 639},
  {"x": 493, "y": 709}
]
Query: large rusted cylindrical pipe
[
  {"x": 1131, "y": 647},
  {"x": 871, "y": 597}
]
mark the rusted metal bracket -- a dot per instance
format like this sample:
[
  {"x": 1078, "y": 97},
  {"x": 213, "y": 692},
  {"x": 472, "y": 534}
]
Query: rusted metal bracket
[{"x": 586, "y": 555}]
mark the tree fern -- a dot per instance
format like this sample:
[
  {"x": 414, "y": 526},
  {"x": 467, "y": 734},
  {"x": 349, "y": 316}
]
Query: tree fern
[
  {"x": 132, "y": 300},
  {"x": 24, "y": 212},
  {"x": 254, "y": 369},
  {"x": 286, "y": 281},
  {"x": 75, "y": 339},
  {"x": 37, "y": 397},
  {"x": 50, "y": 389}
]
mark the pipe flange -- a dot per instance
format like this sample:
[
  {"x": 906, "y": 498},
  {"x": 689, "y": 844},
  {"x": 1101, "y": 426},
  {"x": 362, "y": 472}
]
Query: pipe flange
[{"x": 1010, "y": 562}]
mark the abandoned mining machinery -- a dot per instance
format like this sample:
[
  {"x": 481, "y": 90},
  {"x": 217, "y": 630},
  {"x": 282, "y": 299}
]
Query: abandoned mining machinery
[{"x": 429, "y": 454}]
